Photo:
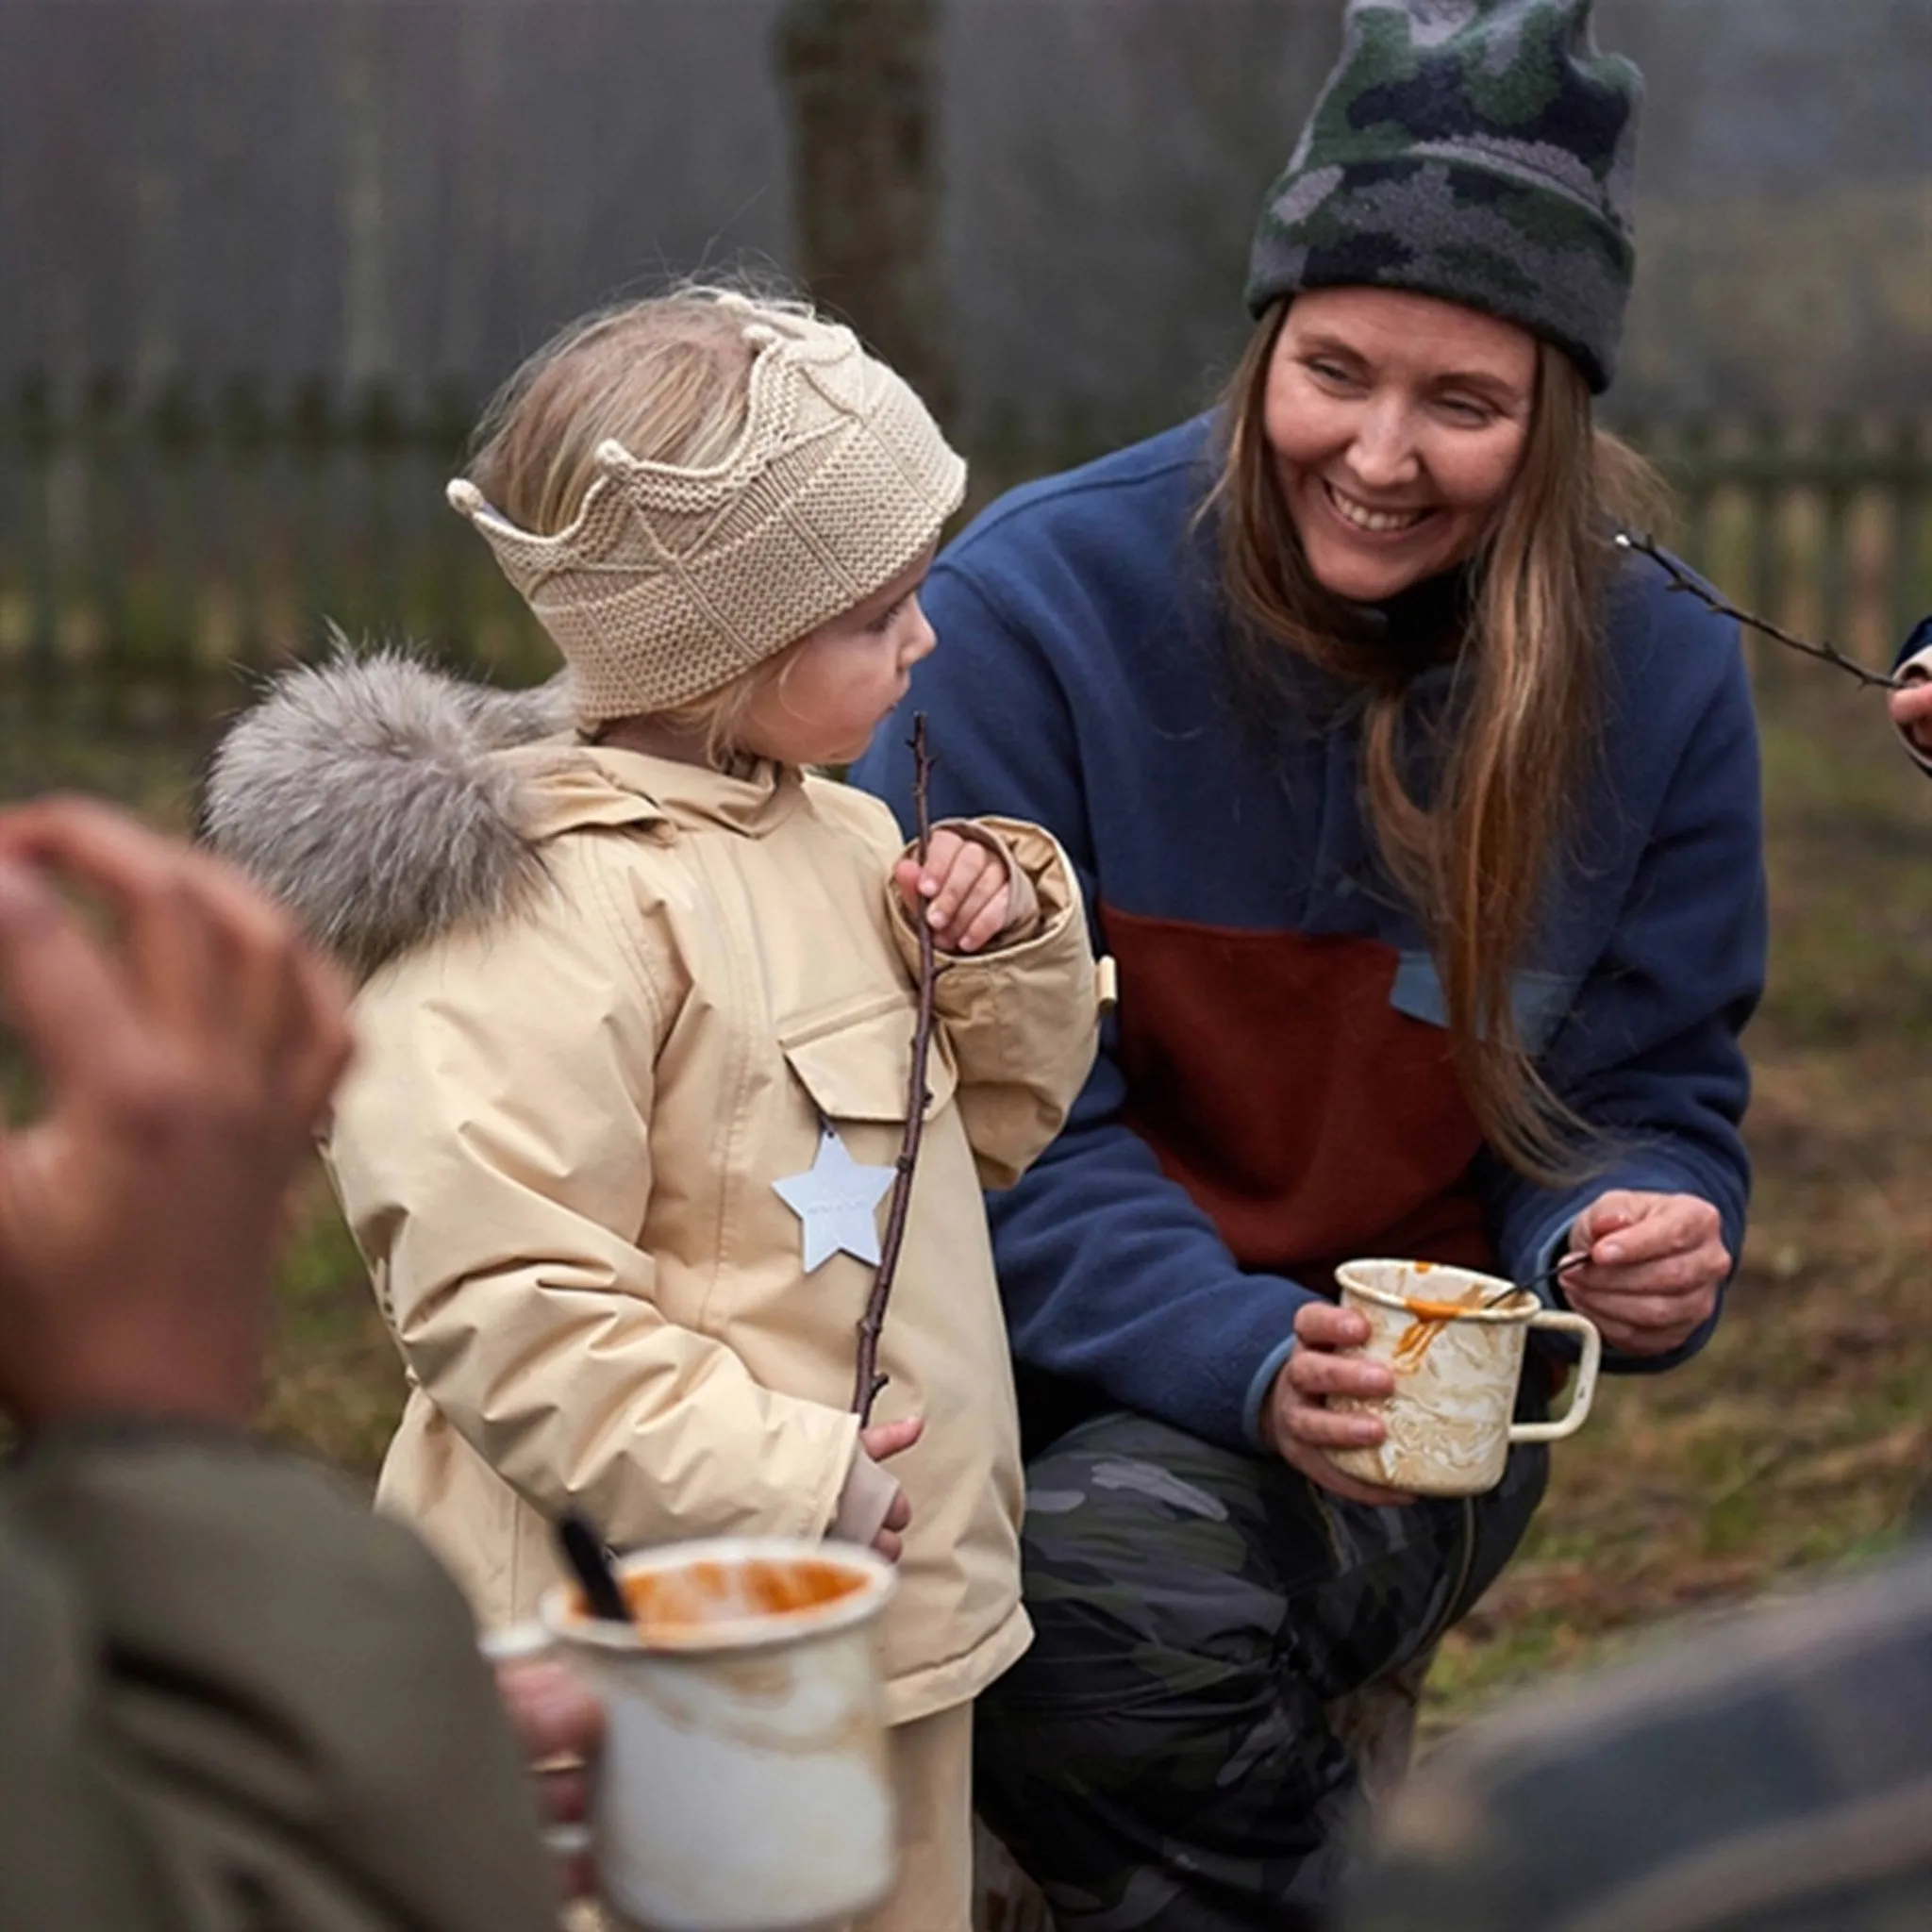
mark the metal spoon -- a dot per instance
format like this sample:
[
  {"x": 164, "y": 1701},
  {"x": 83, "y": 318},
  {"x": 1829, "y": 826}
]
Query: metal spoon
[{"x": 1554, "y": 1272}]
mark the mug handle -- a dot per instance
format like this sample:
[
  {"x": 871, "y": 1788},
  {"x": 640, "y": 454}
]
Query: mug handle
[
  {"x": 531, "y": 1639},
  {"x": 1572, "y": 1418}
]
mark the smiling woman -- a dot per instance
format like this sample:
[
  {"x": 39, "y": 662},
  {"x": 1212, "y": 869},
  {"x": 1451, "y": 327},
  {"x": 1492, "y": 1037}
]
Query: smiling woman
[
  {"x": 1422, "y": 828},
  {"x": 1397, "y": 423}
]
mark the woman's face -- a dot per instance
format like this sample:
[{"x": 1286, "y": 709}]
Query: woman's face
[{"x": 1397, "y": 424}]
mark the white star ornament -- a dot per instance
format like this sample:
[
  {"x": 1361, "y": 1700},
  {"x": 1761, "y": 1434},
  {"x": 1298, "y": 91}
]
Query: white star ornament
[{"x": 836, "y": 1201}]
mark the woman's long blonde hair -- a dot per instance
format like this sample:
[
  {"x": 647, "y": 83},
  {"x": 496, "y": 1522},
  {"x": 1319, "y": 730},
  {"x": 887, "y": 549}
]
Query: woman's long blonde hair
[{"x": 1476, "y": 857}]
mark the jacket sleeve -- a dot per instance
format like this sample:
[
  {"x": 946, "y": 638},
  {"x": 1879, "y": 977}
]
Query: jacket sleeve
[
  {"x": 1650, "y": 1051},
  {"x": 1915, "y": 660},
  {"x": 1110, "y": 1274},
  {"x": 1022, "y": 1019},
  {"x": 235, "y": 1699},
  {"x": 492, "y": 1150}
]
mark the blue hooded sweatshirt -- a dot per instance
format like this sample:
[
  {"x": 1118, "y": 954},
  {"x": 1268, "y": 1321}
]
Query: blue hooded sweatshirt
[{"x": 1274, "y": 1093}]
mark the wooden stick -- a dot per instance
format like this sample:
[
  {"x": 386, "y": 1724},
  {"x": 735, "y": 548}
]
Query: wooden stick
[
  {"x": 869, "y": 1381},
  {"x": 1682, "y": 580}
]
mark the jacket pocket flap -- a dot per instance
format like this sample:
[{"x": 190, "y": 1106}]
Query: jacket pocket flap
[{"x": 857, "y": 1063}]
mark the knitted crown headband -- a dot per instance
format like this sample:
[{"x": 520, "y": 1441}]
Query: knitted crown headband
[{"x": 670, "y": 582}]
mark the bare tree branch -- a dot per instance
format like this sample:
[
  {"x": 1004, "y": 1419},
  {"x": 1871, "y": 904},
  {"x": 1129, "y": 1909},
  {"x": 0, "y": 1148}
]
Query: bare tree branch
[
  {"x": 869, "y": 1381},
  {"x": 1681, "y": 579}
]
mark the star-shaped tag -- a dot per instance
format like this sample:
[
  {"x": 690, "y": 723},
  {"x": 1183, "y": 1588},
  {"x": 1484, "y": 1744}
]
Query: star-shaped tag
[{"x": 838, "y": 1201}]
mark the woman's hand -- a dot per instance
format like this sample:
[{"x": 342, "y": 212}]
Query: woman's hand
[
  {"x": 963, "y": 888},
  {"x": 1911, "y": 707},
  {"x": 1297, "y": 1423},
  {"x": 1655, "y": 1264}
]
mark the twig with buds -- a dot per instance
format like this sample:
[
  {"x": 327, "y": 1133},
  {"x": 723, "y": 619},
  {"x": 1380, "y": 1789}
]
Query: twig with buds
[
  {"x": 868, "y": 1380},
  {"x": 1681, "y": 579}
]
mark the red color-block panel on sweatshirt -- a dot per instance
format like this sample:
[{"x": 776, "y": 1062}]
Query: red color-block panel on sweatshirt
[{"x": 1305, "y": 1115}]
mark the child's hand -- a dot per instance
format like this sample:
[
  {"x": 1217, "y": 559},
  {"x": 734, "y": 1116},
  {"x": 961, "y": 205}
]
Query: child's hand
[
  {"x": 1911, "y": 708},
  {"x": 964, "y": 888},
  {"x": 879, "y": 1442}
]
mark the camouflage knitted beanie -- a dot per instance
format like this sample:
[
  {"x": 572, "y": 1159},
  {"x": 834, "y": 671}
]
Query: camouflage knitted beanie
[{"x": 1476, "y": 150}]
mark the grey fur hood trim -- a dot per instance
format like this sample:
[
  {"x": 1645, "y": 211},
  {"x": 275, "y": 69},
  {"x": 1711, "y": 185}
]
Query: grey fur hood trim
[{"x": 362, "y": 795}]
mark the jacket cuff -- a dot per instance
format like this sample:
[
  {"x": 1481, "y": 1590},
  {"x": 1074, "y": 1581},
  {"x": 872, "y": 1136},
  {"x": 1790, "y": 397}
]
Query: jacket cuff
[
  {"x": 1256, "y": 1397},
  {"x": 1036, "y": 857},
  {"x": 869, "y": 1494},
  {"x": 1544, "y": 1251},
  {"x": 1023, "y": 907},
  {"x": 1916, "y": 669}
]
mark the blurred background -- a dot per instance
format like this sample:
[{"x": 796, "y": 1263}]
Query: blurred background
[{"x": 266, "y": 259}]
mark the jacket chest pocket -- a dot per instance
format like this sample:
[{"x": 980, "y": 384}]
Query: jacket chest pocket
[{"x": 854, "y": 1060}]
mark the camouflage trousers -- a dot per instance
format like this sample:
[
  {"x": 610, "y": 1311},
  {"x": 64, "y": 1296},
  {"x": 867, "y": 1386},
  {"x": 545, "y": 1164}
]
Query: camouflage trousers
[{"x": 1165, "y": 1756}]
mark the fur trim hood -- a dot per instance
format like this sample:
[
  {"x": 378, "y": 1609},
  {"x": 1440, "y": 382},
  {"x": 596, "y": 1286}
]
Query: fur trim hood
[{"x": 366, "y": 795}]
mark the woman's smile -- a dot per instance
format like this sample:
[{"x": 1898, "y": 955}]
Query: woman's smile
[{"x": 1367, "y": 518}]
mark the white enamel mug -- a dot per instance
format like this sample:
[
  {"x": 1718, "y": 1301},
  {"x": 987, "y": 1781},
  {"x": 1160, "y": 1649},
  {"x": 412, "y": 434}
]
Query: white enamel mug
[
  {"x": 1456, "y": 1365},
  {"x": 743, "y": 1783}
]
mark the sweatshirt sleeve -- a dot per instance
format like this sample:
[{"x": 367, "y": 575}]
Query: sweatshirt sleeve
[
  {"x": 492, "y": 1149},
  {"x": 233, "y": 1699},
  {"x": 1650, "y": 1051},
  {"x": 1022, "y": 1018},
  {"x": 1110, "y": 1274}
]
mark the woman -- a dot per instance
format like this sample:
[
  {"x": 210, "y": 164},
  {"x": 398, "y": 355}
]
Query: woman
[{"x": 1422, "y": 825}]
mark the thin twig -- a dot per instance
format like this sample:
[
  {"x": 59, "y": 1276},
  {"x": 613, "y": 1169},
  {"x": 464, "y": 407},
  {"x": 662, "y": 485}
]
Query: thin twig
[
  {"x": 869, "y": 1381},
  {"x": 1681, "y": 579}
]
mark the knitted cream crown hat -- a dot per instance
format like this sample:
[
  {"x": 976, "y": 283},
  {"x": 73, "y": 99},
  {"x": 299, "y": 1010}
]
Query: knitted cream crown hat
[{"x": 671, "y": 582}]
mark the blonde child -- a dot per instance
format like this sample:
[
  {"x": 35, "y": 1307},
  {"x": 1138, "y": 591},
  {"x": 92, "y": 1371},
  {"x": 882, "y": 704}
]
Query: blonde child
[{"x": 636, "y": 980}]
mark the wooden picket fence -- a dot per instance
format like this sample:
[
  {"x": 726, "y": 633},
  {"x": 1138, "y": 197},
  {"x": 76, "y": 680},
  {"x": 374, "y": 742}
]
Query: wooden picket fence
[{"x": 155, "y": 550}]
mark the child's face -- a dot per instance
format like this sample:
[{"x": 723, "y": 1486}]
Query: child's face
[{"x": 833, "y": 689}]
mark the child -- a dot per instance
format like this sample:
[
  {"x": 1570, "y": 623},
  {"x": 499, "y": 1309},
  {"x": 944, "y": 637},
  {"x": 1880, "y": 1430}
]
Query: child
[
  {"x": 637, "y": 995},
  {"x": 1911, "y": 707}
]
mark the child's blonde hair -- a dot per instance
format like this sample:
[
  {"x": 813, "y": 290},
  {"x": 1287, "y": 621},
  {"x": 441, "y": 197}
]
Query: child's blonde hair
[{"x": 667, "y": 377}]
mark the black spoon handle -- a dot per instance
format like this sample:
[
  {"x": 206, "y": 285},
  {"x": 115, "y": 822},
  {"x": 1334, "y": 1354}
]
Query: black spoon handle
[
  {"x": 589, "y": 1563},
  {"x": 1558, "y": 1269},
  {"x": 1554, "y": 1272}
]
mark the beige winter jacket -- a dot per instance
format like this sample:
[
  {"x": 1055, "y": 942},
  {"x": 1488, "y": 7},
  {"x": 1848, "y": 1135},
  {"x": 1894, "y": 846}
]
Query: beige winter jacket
[{"x": 557, "y": 1153}]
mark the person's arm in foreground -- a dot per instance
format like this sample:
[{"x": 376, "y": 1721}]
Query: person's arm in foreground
[
  {"x": 1770, "y": 1768},
  {"x": 232, "y": 1698}
]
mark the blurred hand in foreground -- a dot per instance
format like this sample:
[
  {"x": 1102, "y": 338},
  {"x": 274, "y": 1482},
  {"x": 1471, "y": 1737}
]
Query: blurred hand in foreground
[
  {"x": 186, "y": 1044},
  {"x": 560, "y": 1726}
]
